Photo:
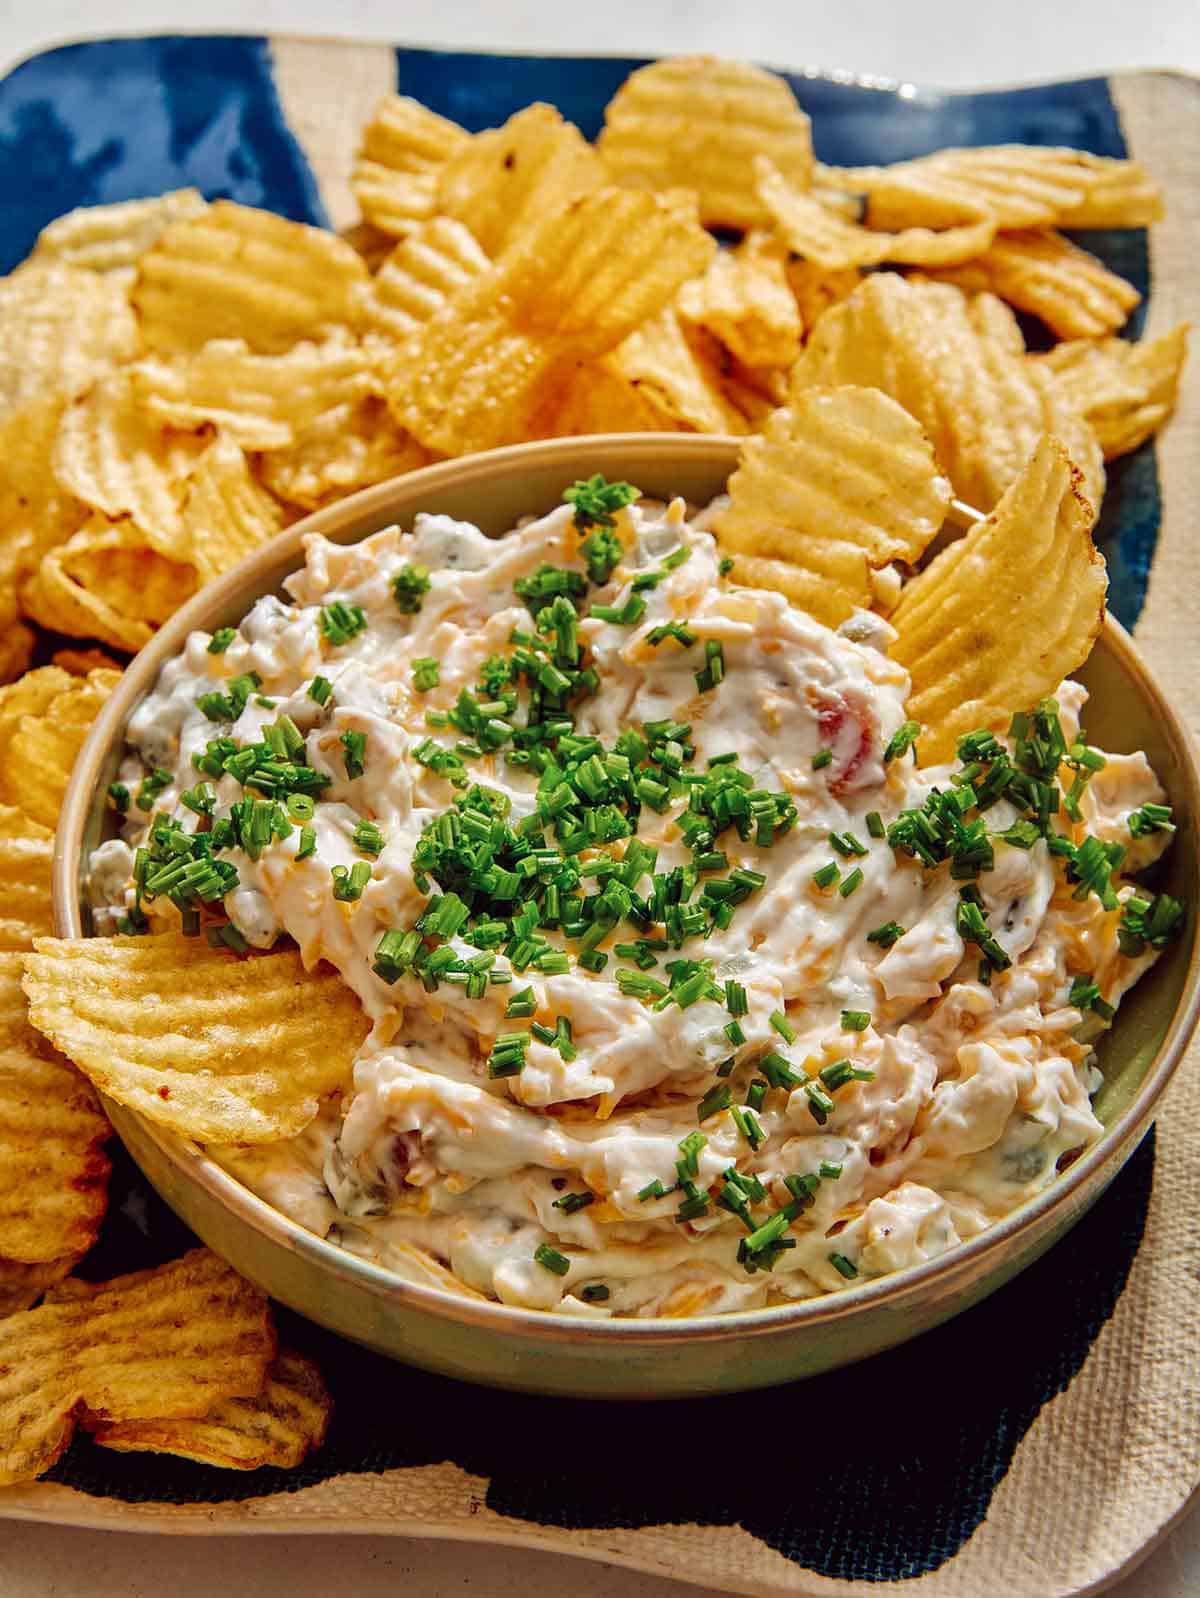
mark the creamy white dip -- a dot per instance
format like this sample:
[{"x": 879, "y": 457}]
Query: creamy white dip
[{"x": 561, "y": 1185}]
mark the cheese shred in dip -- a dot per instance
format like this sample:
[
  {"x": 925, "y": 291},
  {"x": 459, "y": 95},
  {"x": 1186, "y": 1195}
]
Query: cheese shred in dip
[{"x": 691, "y": 991}]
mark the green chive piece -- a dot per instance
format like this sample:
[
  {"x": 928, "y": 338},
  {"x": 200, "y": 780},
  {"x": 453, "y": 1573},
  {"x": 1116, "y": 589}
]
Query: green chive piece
[
  {"x": 855, "y": 1020},
  {"x": 596, "y": 501},
  {"x": 340, "y": 622},
  {"x": 551, "y": 1260},
  {"x": 221, "y": 640},
  {"x": 890, "y": 932},
  {"x": 828, "y": 875},
  {"x": 426, "y": 673},
  {"x": 822, "y": 758},
  {"x": 848, "y": 884},
  {"x": 902, "y": 741},
  {"x": 594, "y": 1293},
  {"x": 571, "y": 1202},
  {"x": 308, "y": 843},
  {"x": 409, "y": 587},
  {"x": 354, "y": 745},
  {"x": 119, "y": 797},
  {"x": 875, "y": 824},
  {"x": 843, "y": 1266},
  {"x": 349, "y": 882},
  {"x": 724, "y": 565},
  {"x": 320, "y": 690},
  {"x": 719, "y": 1097},
  {"x": 367, "y": 838},
  {"x": 783, "y": 1026}
]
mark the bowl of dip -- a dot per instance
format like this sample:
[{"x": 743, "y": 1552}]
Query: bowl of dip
[{"x": 941, "y": 1125}]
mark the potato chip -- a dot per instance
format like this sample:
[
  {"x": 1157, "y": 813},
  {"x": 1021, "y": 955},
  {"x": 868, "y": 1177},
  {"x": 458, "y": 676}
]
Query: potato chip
[
  {"x": 218, "y": 1048},
  {"x": 119, "y": 461},
  {"x": 278, "y": 1426},
  {"x": 106, "y": 583},
  {"x": 53, "y": 1171},
  {"x": 60, "y": 329},
  {"x": 841, "y": 483},
  {"x": 509, "y": 179},
  {"x": 228, "y": 515},
  {"x": 16, "y": 641},
  {"x": 822, "y": 235},
  {"x": 1042, "y": 272},
  {"x": 40, "y": 750},
  {"x": 240, "y": 273},
  {"x": 404, "y": 146},
  {"x": 30, "y": 695},
  {"x": 596, "y": 397},
  {"x": 163, "y": 1343},
  {"x": 349, "y": 447},
  {"x": 1125, "y": 392},
  {"x": 696, "y": 122},
  {"x": 1022, "y": 185},
  {"x": 816, "y": 288},
  {"x": 36, "y": 511},
  {"x": 105, "y": 238},
  {"x": 997, "y": 620},
  {"x": 421, "y": 274},
  {"x": 258, "y": 401},
  {"x": 744, "y": 300},
  {"x": 493, "y": 360},
  {"x": 1122, "y": 194},
  {"x": 21, "y": 1285},
  {"x": 26, "y": 909},
  {"x": 678, "y": 373},
  {"x": 80, "y": 661},
  {"x": 940, "y": 356}
]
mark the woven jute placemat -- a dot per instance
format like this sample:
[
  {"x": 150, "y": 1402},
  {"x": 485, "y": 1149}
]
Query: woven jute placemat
[{"x": 1035, "y": 1447}]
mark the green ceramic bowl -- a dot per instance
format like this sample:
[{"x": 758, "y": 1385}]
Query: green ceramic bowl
[{"x": 522, "y": 1349}]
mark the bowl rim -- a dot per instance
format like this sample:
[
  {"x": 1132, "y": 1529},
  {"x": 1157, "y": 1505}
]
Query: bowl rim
[{"x": 192, "y": 1164}]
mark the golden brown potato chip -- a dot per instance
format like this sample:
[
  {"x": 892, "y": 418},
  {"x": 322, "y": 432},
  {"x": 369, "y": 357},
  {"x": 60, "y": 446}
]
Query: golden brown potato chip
[
  {"x": 942, "y": 357},
  {"x": 259, "y": 401},
  {"x": 105, "y": 238},
  {"x": 80, "y": 661},
  {"x": 36, "y": 511},
  {"x": 1022, "y": 185},
  {"x": 996, "y": 621},
  {"x": 597, "y": 398},
  {"x": 678, "y": 373},
  {"x": 16, "y": 640},
  {"x": 1125, "y": 392},
  {"x": 121, "y": 462},
  {"x": 278, "y": 1426},
  {"x": 492, "y": 362},
  {"x": 215, "y": 1047},
  {"x": 40, "y": 750},
  {"x": 157, "y": 1344},
  {"x": 53, "y": 1170},
  {"x": 14, "y": 823},
  {"x": 816, "y": 289},
  {"x": 421, "y": 274},
  {"x": 339, "y": 451},
  {"x": 60, "y": 329},
  {"x": 240, "y": 273},
  {"x": 106, "y": 583},
  {"x": 744, "y": 300},
  {"x": 26, "y": 910},
  {"x": 228, "y": 515},
  {"x": 840, "y": 484},
  {"x": 508, "y": 179},
  {"x": 696, "y": 122},
  {"x": 822, "y": 235},
  {"x": 30, "y": 695},
  {"x": 22, "y": 1285},
  {"x": 404, "y": 146},
  {"x": 1042, "y": 272}
]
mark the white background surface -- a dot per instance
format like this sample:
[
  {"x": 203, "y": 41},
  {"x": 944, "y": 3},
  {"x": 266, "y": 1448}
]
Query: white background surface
[{"x": 932, "y": 42}]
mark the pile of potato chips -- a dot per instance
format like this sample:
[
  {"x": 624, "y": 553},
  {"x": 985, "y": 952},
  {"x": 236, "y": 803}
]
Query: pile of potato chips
[{"x": 181, "y": 380}]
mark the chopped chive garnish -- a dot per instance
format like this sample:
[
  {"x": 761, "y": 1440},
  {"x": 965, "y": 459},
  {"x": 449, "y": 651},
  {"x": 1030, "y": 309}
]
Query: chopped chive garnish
[
  {"x": 783, "y": 1026},
  {"x": 855, "y": 1020},
  {"x": 713, "y": 670},
  {"x": 507, "y": 1057},
  {"x": 300, "y": 806},
  {"x": 119, "y": 797},
  {"x": 1150, "y": 818},
  {"x": 677, "y": 630},
  {"x": 596, "y": 501},
  {"x": 571, "y": 1202},
  {"x": 367, "y": 838},
  {"x": 426, "y": 673},
  {"x": 551, "y": 1260},
  {"x": 221, "y": 640},
  {"x": 652, "y": 1190},
  {"x": 594, "y": 1293},
  {"x": 719, "y": 1097},
  {"x": 320, "y": 690},
  {"x": 354, "y": 747},
  {"x": 340, "y": 622},
  {"x": 724, "y": 565},
  {"x": 349, "y": 881},
  {"x": 521, "y": 1005},
  {"x": 736, "y": 1001},
  {"x": 848, "y": 884},
  {"x": 151, "y": 786},
  {"x": 822, "y": 758},
  {"x": 902, "y": 741},
  {"x": 886, "y": 935},
  {"x": 875, "y": 824},
  {"x": 308, "y": 843},
  {"x": 829, "y": 1171},
  {"x": 843, "y": 1266},
  {"x": 409, "y": 587},
  {"x": 733, "y": 1031},
  {"x": 827, "y": 875}
]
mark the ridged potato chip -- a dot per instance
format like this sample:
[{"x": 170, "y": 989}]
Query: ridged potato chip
[
  {"x": 217, "y": 1048},
  {"x": 1125, "y": 392},
  {"x": 53, "y": 1170},
  {"x": 421, "y": 274},
  {"x": 339, "y": 451},
  {"x": 158, "y": 1344},
  {"x": 106, "y": 583},
  {"x": 119, "y": 461},
  {"x": 278, "y": 1426},
  {"x": 997, "y": 620},
  {"x": 508, "y": 179},
  {"x": 697, "y": 122},
  {"x": 228, "y": 514},
  {"x": 404, "y": 146},
  {"x": 26, "y": 910},
  {"x": 490, "y": 365},
  {"x": 1042, "y": 272},
  {"x": 36, "y": 511},
  {"x": 80, "y": 661},
  {"x": 816, "y": 288},
  {"x": 597, "y": 398},
  {"x": 40, "y": 747},
  {"x": 1022, "y": 185},
  {"x": 946, "y": 360},
  {"x": 677, "y": 372},
  {"x": 744, "y": 300},
  {"x": 820, "y": 234},
  {"x": 16, "y": 640},
  {"x": 841, "y": 483},
  {"x": 60, "y": 329},
  {"x": 22, "y": 1285},
  {"x": 240, "y": 273},
  {"x": 107, "y": 238},
  {"x": 258, "y": 401}
]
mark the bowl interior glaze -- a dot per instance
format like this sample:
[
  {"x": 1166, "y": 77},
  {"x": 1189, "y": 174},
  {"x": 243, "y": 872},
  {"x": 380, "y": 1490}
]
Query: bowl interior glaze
[{"x": 637, "y": 1358}]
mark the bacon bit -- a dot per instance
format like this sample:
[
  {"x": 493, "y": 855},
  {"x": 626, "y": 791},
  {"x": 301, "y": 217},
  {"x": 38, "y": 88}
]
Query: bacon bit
[{"x": 844, "y": 727}]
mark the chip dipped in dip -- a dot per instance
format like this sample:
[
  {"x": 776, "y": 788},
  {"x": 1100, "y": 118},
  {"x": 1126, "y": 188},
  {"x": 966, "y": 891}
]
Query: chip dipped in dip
[{"x": 691, "y": 990}]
